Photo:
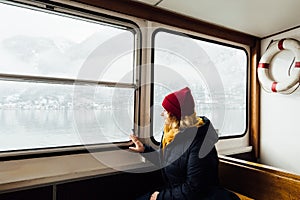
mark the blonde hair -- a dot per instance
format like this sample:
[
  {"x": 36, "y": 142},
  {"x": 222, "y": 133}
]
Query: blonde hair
[
  {"x": 173, "y": 126},
  {"x": 187, "y": 121},
  {"x": 172, "y": 123}
]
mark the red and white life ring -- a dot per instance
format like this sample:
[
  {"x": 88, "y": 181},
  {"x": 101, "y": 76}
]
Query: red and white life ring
[{"x": 263, "y": 67}]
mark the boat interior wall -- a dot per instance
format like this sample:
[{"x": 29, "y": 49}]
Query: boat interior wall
[
  {"x": 279, "y": 114},
  {"x": 175, "y": 19},
  {"x": 110, "y": 186},
  {"x": 259, "y": 18}
]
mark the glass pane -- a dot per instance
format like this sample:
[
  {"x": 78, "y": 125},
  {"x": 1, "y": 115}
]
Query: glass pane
[
  {"x": 38, "y": 115},
  {"x": 215, "y": 73},
  {"x": 37, "y": 43}
]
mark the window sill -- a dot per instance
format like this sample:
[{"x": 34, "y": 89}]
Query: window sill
[
  {"x": 17, "y": 174},
  {"x": 233, "y": 151}
]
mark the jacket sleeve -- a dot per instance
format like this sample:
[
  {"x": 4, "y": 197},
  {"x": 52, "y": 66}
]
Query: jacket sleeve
[
  {"x": 151, "y": 155},
  {"x": 198, "y": 179}
]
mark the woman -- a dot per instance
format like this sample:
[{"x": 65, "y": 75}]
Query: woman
[{"x": 187, "y": 155}]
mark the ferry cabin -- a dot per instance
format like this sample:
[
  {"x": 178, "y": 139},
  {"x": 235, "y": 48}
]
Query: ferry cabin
[{"x": 78, "y": 77}]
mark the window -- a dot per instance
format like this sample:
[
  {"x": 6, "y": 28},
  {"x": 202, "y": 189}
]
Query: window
[
  {"x": 65, "y": 80},
  {"x": 216, "y": 74}
]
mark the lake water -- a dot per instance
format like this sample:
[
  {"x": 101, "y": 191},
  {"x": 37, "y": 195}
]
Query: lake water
[{"x": 27, "y": 129}]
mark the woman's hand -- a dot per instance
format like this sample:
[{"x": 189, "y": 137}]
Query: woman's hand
[
  {"x": 139, "y": 146},
  {"x": 154, "y": 195}
]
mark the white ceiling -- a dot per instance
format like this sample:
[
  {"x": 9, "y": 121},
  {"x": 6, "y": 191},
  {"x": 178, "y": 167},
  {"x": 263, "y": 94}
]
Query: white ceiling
[{"x": 256, "y": 17}]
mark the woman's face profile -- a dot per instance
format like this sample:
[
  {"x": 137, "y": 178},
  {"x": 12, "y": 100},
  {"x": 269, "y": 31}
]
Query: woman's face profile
[{"x": 165, "y": 115}]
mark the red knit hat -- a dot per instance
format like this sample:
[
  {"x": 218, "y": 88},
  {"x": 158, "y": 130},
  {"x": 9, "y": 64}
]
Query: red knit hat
[{"x": 180, "y": 103}]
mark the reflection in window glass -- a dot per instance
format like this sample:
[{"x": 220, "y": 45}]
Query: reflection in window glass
[
  {"x": 47, "y": 44},
  {"x": 216, "y": 74}
]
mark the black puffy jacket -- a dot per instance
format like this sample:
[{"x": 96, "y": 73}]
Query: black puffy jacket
[{"x": 189, "y": 164}]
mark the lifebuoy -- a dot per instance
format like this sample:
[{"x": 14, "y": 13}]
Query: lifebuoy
[{"x": 264, "y": 64}]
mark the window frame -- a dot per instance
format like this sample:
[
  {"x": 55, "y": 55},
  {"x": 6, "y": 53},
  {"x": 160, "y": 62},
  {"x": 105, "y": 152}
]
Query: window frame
[
  {"x": 84, "y": 15},
  {"x": 202, "y": 38}
]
